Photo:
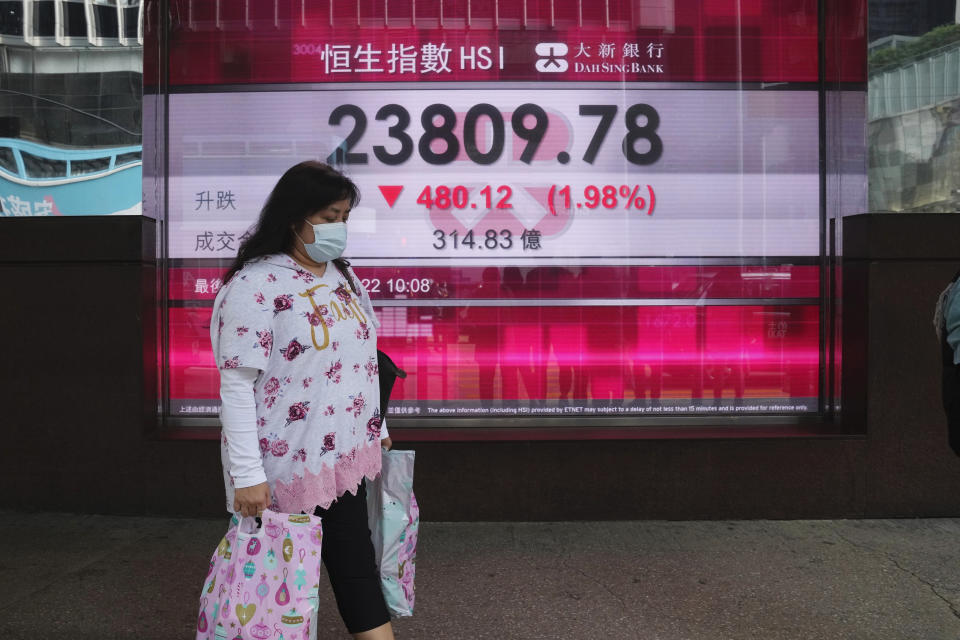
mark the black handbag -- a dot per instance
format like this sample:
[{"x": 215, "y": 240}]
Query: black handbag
[{"x": 389, "y": 372}]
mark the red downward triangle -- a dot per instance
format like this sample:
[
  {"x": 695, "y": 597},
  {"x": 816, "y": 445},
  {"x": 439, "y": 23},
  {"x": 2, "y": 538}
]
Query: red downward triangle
[{"x": 390, "y": 193}]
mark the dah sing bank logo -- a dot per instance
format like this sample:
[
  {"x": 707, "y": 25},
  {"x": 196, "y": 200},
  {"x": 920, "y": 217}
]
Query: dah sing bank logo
[
  {"x": 552, "y": 57},
  {"x": 601, "y": 58}
]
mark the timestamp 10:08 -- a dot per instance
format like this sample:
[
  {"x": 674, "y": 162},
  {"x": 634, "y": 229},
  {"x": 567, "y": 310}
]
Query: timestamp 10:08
[{"x": 397, "y": 285}]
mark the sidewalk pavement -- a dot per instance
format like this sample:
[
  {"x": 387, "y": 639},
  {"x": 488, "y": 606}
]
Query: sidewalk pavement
[{"x": 103, "y": 577}]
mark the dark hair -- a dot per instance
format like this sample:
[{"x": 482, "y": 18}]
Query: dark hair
[{"x": 304, "y": 189}]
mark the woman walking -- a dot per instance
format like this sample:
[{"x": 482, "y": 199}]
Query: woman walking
[{"x": 295, "y": 339}]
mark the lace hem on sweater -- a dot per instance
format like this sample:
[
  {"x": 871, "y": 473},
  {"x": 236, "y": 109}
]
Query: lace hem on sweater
[{"x": 311, "y": 490}]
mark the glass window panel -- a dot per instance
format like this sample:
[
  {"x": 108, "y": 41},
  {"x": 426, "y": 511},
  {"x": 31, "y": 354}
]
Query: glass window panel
[
  {"x": 677, "y": 359},
  {"x": 44, "y": 19},
  {"x": 914, "y": 60},
  {"x": 75, "y": 19},
  {"x": 428, "y": 13},
  {"x": 341, "y": 15},
  {"x": 11, "y": 18},
  {"x": 620, "y": 14},
  {"x": 233, "y": 14},
  {"x": 566, "y": 15},
  {"x": 924, "y": 84},
  {"x": 372, "y": 13},
  {"x": 399, "y": 14},
  {"x": 106, "y": 21},
  {"x": 909, "y": 89},
  {"x": 454, "y": 14},
  {"x": 37, "y": 167},
  {"x": 895, "y": 91},
  {"x": 593, "y": 14},
  {"x": 594, "y": 321},
  {"x": 266, "y": 15},
  {"x": 876, "y": 97},
  {"x": 952, "y": 74},
  {"x": 938, "y": 77},
  {"x": 556, "y": 354},
  {"x": 201, "y": 15},
  {"x": 127, "y": 158},
  {"x": 509, "y": 14},
  {"x": 538, "y": 13},
  {"x": 7, "y": 160},
  {"x": 131, "y": 20},
  {"x": 82, "y": 167},
  {"x": 482, "y": 13}
]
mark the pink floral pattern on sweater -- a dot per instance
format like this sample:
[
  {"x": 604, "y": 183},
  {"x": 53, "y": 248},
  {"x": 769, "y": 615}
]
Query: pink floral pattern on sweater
[{"x": 315, "y": 346}]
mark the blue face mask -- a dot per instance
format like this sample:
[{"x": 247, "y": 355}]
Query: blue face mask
[{"x": 329, "y": 241}]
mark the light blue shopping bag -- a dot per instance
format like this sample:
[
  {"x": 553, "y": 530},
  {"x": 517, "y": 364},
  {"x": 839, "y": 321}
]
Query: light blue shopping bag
[{"x": 394, "y": 520}]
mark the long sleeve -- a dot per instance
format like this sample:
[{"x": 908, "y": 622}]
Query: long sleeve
[
  {"x": 952, "y": 317},
  {"x": 238, "y": 415}
]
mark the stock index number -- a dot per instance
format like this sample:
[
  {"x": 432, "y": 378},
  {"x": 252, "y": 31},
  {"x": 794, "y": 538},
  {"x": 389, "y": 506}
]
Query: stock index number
[{"x": 439, "y": 122}]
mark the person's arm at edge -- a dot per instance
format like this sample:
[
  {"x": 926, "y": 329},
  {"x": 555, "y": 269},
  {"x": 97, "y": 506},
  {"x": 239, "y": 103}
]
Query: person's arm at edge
[{"x": 952, "y": 317}]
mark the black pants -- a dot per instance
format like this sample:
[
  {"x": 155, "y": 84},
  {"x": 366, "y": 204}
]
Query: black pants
[{"x": 348, "y": 555}]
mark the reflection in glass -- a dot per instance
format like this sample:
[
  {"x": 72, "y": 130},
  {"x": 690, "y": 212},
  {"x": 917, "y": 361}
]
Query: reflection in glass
[
  {"x": 7, "y": 160},
  {"x": 81, "y": 167},
  {"x": 37, "y": 167},
  {"x": 75, "y": 19},
  {"x": 127, "y": 158},
  {"x": 131, "y": 17},
  {"x": 11, "y": 18},
  {"x": 534, "y": 358},
  {"x": 501, "y": 349},
  {"x": 914, "y": 84},
  {"x": 70, "y": 87},
  {"x": 701, "y": 318},
  {"x": 44, "y": 20},
  {"x": 106, "y": 22}
]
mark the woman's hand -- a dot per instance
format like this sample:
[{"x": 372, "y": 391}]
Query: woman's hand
[
  {"x": 386, "y": 443},
  {"x": 251, "y": 501}
]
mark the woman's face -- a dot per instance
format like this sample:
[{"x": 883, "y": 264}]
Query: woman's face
[{"x": 336, "y": 212}]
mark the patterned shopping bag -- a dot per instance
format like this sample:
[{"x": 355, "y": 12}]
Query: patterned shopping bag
[
  {"x": 262, "y": 583},
  {"x": 394, "y": 519}
]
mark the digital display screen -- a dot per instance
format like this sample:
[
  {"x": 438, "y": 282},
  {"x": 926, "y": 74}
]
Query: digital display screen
[
  {"x": 446, "y": 173},
  {"x": 596, "y": 214}
]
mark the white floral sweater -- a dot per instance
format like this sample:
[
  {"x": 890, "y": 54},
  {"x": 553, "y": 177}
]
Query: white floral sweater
[{"x": 316, "y": 392}]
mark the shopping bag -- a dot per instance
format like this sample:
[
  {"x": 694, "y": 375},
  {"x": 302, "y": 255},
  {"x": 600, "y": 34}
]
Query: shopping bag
[
  {"x": 263, "y": 582},
  {"x": 394, "y": 520}
]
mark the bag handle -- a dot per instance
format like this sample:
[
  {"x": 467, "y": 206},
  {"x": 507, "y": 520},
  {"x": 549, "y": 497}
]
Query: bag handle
[{"x": 240, "y": 520}]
